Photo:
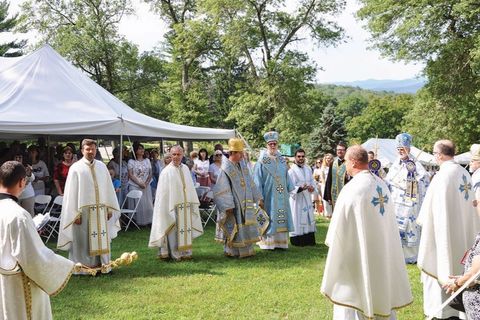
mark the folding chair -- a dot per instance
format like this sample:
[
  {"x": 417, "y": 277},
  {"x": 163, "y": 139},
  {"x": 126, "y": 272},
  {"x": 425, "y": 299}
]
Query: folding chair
[
  {"x": 207, "y": 207},
  {"x": 42, "y": 201},
  {"x": 53, "y": 218},
  {"x": 40, "y": 221},
  {"x": 129, "y": 214}
]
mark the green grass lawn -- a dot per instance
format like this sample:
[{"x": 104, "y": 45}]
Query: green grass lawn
[{"x": 271, "y": 285}]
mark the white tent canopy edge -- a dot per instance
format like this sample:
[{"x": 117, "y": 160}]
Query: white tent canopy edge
[{"x": 43, "y": 94}]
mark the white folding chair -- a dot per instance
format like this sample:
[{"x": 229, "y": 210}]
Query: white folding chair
[
  {"x": 42, "y": 201},
  {"x": 207, "y": 207},
  {"x": 53, "y": 218},
  {"x": 129, "y": 214},
  {"x": 40, "y": 221}
]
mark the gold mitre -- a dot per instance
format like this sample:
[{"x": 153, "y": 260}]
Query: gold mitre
[
  {"x": 475, "y": 152},
  {"x": 235, "y": 144}
]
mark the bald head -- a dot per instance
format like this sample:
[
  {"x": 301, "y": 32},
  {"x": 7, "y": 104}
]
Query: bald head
[
  {"x": 357, "y": 153},
  {"x": 443, "y": 150},
  {"x": 445, "y": 147},
  {"x": 356, "y": 159}
]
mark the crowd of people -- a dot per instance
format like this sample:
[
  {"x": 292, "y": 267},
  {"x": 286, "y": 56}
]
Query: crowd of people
[{"x": 381, "y": 219}]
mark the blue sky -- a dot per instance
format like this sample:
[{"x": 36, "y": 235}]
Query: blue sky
[{"x": 349, "y": 61}]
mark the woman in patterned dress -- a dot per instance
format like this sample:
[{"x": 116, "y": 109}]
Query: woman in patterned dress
[{"x": 471, "y": 295}]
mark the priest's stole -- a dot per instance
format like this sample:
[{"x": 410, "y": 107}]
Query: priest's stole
[
  {"x": 184, "y": 212},
  {"x": 97, "y": 230}
]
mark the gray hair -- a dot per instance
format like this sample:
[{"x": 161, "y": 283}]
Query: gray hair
[{"x": 178, "y": 147}]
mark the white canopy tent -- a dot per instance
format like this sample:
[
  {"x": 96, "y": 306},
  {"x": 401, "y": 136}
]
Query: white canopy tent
[
  {"x": 43, "y": 94},
  {"x": 386, "y": 151},
  {"x": 463, "y": 158}
]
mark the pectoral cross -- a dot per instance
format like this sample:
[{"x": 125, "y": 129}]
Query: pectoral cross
[
  {"x": 465, "y": 187},
  {"x": 381, "y": 200}
]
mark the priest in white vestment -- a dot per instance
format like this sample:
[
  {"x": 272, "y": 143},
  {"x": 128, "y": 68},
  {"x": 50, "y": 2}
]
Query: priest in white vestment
[
  {"x": 176, "y": 217},
  {"x": 89, "y": 218},
  {"x": 29, "y": 272},
  {"x": 365, "y": 274},
  {"x": 301, "y": 202},
  {"x": 449, "y": 225},
  {"x": 406, "y": 178}
]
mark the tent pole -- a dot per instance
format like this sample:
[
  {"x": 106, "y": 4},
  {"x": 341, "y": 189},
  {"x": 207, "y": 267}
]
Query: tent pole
[
  {"x": 120, "y": 150},
  {"x": 131, "y": 146}
]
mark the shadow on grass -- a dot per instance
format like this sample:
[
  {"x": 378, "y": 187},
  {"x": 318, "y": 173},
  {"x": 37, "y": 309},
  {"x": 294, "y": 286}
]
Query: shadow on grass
[
  {"x": 152, "y": 277},
  {"x": 208, "y": 258}
]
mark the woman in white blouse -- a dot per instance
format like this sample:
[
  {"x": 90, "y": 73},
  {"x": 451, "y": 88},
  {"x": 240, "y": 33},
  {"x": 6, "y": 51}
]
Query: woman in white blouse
[
  {"x": 214, "y": 169},
  {"x": 201, "y": 168},
  {"x": 40, "y": 170},
  {"x": 140, "y": 176}
]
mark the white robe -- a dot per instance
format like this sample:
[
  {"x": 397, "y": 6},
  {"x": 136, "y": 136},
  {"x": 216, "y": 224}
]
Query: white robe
[
  {"x": 29, "y": 271},
  {"x": 365, "y": 269},
  {"x": 88, "y": 185},
  {"x": 301, "y": 203},
  {"x": 175, "y": 192},
  {"x": 407, "y": 210},
  {"x": 449, "y": 226}
]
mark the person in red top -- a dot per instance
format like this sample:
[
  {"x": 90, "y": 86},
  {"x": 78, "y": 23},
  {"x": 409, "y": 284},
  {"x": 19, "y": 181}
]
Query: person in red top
[{"x": 61, "y": 170}]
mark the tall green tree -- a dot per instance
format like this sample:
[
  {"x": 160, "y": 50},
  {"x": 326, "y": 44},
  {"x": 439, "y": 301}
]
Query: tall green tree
[
  {"x": 7, "y": 24},
  {"x": 446, "y": 36},
  {"x": 351, "y": 106},
  {"x": 280, "y": 77},
  {"x": 429, "y": 120},
  {"x": 232, "y": 61},
  {"x": 139, "y": 80},
  {"x": 191, "y": 43},
  {"x": 85, "y": 32},
  {"x": 383, "y": 118},
  {"x": 327, "y": 133}
]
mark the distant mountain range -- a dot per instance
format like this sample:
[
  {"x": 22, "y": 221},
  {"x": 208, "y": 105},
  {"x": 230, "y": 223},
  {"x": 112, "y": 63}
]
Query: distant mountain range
[{"x": 397, "y": 86}]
